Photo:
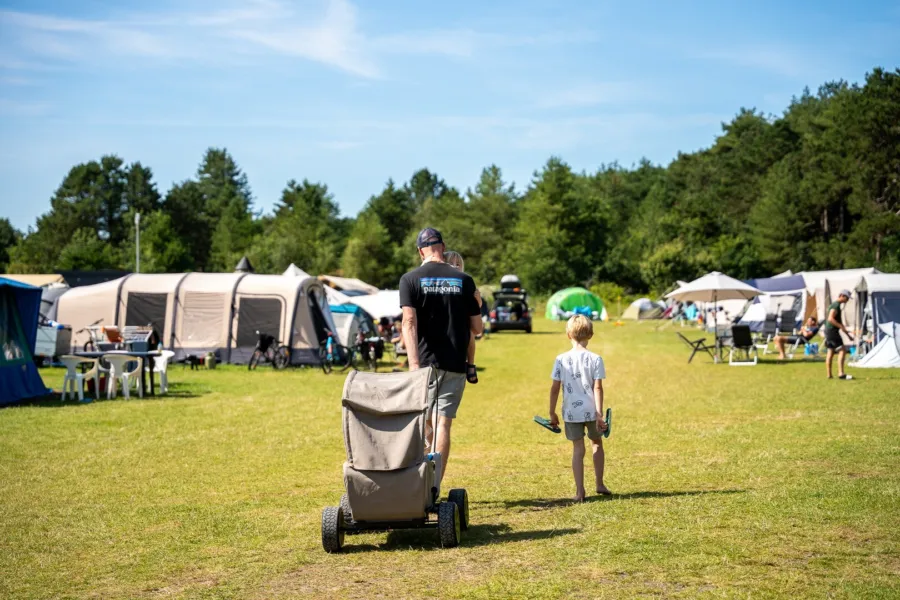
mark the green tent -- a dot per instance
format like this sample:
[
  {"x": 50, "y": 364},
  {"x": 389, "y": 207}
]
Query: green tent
[{"x": 568, "y": 299}]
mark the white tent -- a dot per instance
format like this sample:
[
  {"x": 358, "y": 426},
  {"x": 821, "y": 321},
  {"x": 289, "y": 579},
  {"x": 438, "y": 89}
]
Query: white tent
[
  {"x": 822, "y": 288},
  {"x": 295, "y": 271},
  {"x": 385, "y": 303},
  {"x": 335, "y": 297},
  {"x": 348, "y": 283},
  {"x": 886, "y": 353}
]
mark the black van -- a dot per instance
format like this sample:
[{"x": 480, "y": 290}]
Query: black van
[{"x": 510, "y": 309}]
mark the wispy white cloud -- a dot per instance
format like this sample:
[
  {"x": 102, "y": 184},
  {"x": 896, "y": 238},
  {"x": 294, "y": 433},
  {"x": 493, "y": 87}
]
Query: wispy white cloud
[
  {"x": 17, "y": 108},
  {"x": 780, "y": 60},
  {"x": 592, "y": 94},
  {"x": 332, "y": 36}
]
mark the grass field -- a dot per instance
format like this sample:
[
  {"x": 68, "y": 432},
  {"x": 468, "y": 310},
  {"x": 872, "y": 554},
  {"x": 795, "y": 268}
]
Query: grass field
[{"x": 767, "y": 481}]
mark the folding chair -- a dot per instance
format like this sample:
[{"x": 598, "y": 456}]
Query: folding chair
[
  {"x": 742, "y": 341},
  {"x": 788, "y": 323},
  {"x": 698, "y": 346}
]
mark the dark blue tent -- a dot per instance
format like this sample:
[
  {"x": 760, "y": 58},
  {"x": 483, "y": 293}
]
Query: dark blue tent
[
  {"x": 775, "y": 285},
  {"x": 19, "y": 308}
]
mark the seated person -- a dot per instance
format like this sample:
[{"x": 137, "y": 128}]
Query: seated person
[{"x": 807, "y": 333}]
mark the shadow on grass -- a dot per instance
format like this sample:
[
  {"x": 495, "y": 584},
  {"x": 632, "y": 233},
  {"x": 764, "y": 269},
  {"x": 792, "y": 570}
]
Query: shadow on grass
[
  {"x": 55, "y": 400},
  {"x": 548, "y": 503},
  {"x": 474, "y": 536}
]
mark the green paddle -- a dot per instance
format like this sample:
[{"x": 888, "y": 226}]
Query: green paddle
[{"x": 545, "y": 423}]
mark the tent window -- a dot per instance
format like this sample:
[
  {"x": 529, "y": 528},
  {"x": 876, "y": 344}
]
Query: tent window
[
  {"x": 13, "y": 349},
  {"x": 146, "y": 309},
  {"x": 203, "y": 319},
  {"x": 258, "y": 314}
]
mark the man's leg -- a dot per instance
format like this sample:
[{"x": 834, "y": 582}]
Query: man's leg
[
  {"x": 829, "y": 355},
  {"x": 578, "y": 468},
  {"x": 443, "y": 442},
  {"x": 599, "y": 460},
  {"x": 779, "y": 343},
  {"x": 842, "y": 358}
]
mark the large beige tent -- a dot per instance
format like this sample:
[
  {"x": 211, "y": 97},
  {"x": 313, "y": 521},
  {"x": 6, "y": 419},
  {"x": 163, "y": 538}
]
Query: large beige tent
[
  {"x": 822, "y": 288},
  {"x": 195, "y": 313}
]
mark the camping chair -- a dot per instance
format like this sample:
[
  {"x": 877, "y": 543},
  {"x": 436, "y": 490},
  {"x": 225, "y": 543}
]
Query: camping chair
[
  {"x": 768, "y": 333},
  {"x": 742, "y": 341},
  {"x": 161, "y": 367},
  {"x": 73, "y": 378},
  {"x": 788, "y": 323},
  {"x": 697, "y": 346},
  {"x": 118, "y": 370}
]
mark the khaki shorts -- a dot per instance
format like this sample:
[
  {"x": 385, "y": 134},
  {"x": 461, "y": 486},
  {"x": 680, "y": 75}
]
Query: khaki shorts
[
  {"x": 575, "y": 431},
  {"x": 448, "y": 388}
]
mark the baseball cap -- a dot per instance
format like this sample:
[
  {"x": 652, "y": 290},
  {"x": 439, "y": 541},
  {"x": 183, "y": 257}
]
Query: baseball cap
[
  {"x": 846, "y": 293},
  {"x": 429, "y": 237}
]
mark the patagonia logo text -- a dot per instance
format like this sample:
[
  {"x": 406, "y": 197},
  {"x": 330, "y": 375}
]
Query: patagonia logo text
[{"x": 441, "y": 285}]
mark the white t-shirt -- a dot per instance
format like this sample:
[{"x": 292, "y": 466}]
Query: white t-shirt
[{"x": 576, "y": 370}]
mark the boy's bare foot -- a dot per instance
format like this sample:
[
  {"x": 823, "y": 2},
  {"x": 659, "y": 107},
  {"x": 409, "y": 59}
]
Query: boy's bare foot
[
  {"x": 577, "y": 498},
  {"x": 604, "y": 491}
]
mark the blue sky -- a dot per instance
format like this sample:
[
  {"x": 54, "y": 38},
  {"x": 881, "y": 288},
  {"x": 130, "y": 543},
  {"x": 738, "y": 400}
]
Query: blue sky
[{"x": 351, "y": 93}]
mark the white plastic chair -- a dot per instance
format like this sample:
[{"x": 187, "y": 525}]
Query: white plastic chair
[
  {"x": 119, "y": 373},
  {"x": 160, "y": 367},
  {"x": 75, "y": 379}
]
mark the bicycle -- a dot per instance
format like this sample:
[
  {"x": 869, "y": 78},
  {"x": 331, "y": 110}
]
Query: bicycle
[
  {"x": 332, "y": 353},
  {"x": 269, "y": 350},
  {"x": 95, "y": 330}
]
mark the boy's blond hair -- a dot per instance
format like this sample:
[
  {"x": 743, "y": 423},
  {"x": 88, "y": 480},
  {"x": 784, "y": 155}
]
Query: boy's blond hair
[
  {"x": 454, "y": 259},
  {"x": 580, "y": 328}
]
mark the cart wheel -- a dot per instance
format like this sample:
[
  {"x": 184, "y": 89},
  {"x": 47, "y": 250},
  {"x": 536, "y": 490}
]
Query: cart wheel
[
  {"x": 528, "y": 329},
  {"x": 345, "y": 507},
  {"x": 460, "y": 498},
  {"x": 448, "y": 524},
  {"x": 282, "y": 357},
  {"x": 332, "y": 533}
]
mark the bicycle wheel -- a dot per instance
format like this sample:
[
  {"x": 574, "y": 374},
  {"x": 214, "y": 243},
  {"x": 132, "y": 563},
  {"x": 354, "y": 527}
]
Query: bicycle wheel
[
  {"x": 348, "y": 357},
  {"x": 282, "y": 357},
  {"x": 89, "y": 347},
  {"x": 326, "y": 362},
  {"x": 254, "y": 360}
]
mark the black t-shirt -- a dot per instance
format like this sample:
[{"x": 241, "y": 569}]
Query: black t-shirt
[{"x": 444, "y": 299}]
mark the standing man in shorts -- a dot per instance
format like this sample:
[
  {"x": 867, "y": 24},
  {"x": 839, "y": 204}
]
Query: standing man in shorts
[
  {"x": 440, "y": 313},
  {"x": 833, "y": 340}
]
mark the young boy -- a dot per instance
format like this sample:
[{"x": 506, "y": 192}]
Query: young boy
[{"x": 580, "y": 374}]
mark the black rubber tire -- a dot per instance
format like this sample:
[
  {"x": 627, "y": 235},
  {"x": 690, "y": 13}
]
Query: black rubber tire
[
  {"x": 347, "y": 357},
  {"x": 528, "y": 329},
  {"x": 460, "y": 498},
  {"x": 282, "y": 357},
  {"x": 332, "y": 532},
  {"x": 254, "y": 360},
  {"x": 448, "y": 524},
  {"x": 327, "y": 363},
  {"x": 88, "y": 347},
  {"x": 345, "y": 508}
]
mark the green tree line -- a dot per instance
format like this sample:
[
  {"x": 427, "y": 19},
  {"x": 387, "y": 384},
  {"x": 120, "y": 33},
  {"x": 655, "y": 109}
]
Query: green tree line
[{"x": 815, "y": 188}]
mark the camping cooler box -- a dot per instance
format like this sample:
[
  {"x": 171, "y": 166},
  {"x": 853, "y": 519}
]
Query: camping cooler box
[{"x": 53, "y": 341}]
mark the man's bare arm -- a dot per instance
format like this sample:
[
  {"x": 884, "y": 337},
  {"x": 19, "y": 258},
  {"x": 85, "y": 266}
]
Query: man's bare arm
[{"x": 411, "y": 336}]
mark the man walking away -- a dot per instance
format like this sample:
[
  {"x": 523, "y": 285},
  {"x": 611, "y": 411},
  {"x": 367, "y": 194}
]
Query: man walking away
[
  {"x": 440, "y": 313},
  {"x": 833, "y": 341}
]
